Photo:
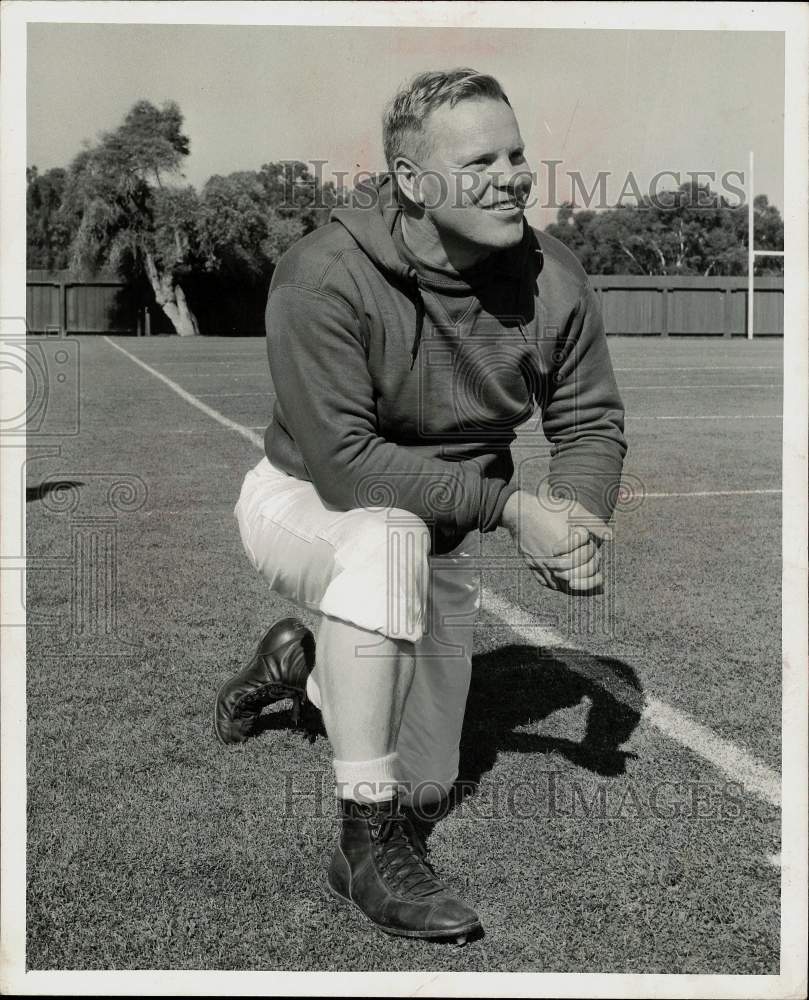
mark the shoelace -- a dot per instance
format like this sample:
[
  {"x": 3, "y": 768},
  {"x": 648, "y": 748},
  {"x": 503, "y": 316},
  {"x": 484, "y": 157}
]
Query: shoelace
[
  {"x": 246, "y": 707},
  {"x": 274, "y": 689},
  {"x": 278, "y": 687},
  {"x": 400, "y": 861}
]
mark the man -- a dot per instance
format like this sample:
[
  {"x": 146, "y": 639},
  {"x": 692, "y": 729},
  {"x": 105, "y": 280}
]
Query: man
[{"x": 407, "y": 339}]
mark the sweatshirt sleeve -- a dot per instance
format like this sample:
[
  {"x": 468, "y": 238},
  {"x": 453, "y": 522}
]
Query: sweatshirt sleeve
[
  {"x": 326, "y": 397},
  {"x": 584, "y": 415}
]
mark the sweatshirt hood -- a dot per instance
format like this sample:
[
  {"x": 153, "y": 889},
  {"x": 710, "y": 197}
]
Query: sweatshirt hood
[{"x": 371, "y": 219}]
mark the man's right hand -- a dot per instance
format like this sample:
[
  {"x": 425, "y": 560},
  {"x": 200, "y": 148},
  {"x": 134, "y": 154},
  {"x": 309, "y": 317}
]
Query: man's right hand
[{"x": 561, "y": 554}]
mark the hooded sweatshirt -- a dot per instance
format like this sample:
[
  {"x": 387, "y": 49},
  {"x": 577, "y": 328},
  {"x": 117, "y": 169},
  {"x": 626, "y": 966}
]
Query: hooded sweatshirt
[{"x": 401, "y": 385}]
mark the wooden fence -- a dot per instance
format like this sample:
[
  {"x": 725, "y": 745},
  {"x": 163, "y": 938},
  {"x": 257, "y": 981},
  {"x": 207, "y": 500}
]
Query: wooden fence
[
  {"x": 688, "y": 306},
  {"x": 56, "y": 300},
  {"x": 631, "y": 305}
]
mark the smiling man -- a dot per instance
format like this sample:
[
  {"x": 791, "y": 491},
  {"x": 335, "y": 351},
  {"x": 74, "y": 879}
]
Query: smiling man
[{"x": 407, "y": 340}]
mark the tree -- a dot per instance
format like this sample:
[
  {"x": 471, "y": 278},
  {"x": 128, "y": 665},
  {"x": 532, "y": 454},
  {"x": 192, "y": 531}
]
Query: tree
[
  {"x": 47, "y": 237},
  {"x": 119, "y": 203},
  {"x": 769, "y": 229},
  {"x": 294, "y": 192},
  {"x": 688, "y": 231},
  {"x": 242, "y": 234},
  {"x": 248, "y": 219}
]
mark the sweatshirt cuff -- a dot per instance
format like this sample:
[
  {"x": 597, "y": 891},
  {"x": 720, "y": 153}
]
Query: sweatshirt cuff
[
  {"x": 491, "y": 510},
  {"x": 598, "y": 494}
]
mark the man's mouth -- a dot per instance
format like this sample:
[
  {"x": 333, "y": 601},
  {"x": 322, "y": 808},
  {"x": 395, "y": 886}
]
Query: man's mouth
[{"x": 507, "y": 205}]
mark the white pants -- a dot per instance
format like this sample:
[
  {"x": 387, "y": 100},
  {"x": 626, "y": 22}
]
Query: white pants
[{"x": 371, "y": 567}]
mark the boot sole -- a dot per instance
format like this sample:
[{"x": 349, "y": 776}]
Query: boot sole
[
  {"x": 272, "y": 701},
  {"x": 459, "y": 935}
]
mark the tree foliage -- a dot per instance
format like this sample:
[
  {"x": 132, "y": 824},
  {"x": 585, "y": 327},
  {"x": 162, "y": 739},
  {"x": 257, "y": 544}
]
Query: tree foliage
[
  {"x": 691, "y": 230},
  {"x": 121, "y": 213},
  {"x": 250, "y": 218},
  {"x": 122, "y": 203},
  {"x": 47, "y": 235},
  {"x": 116, "y": 203}
]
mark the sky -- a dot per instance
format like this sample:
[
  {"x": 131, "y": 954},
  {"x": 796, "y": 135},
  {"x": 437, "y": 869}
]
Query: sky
[{"x": 598, "y": 100}]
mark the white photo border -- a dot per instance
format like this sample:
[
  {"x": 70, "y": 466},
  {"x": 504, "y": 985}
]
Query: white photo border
[{"x": 790, "y": 19}]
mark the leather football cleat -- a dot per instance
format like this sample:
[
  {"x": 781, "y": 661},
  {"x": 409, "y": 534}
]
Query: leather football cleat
[
  {"x": 278, "y": 669},
  {"x": 380, "y": 867}
]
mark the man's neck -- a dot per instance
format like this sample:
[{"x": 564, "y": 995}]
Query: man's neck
[{"x": 425, "y": 242}]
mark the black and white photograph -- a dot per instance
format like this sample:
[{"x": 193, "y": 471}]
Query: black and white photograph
[{"x": 404, "y": 484}]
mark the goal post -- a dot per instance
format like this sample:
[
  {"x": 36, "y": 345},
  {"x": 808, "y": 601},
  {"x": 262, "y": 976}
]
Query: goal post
[{"x": 752, "y": 253}]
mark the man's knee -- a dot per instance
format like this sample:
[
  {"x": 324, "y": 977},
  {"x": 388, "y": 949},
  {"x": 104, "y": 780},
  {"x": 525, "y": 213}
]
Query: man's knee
[
  {"x": 404, "y": 526},
  {"x": 408, "y": 542},
  {"x": 393, "y": 545},
  {"x": 384, "y": 572}
]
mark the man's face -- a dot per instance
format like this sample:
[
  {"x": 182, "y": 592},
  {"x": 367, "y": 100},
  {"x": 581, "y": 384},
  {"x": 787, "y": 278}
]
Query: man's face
[{"x": 475, "y": 181}]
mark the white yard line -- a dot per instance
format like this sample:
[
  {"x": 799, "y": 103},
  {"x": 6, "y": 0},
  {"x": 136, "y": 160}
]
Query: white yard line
[
  {"x": 733, "y": 761},
  {"x": 207, "y": 410},
  {"x": 701, "y": 368},
  {"x": 710, "y": 416},
  {"x": 206, "y": 361},
  {"x": 712, "y": 493},
  {"x": 714, "y": 385}
]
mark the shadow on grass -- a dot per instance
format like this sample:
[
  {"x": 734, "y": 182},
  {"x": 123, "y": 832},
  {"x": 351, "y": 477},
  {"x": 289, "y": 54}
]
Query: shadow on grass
[
  {"x": 517, "y": 685},
  {"x": 281, "y": 716},
  {"x": 520, "y": 685},
  {"x": 33, "y": 493}
]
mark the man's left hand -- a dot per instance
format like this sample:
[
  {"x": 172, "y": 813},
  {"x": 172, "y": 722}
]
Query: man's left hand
[{"x": 584, "y": 545}]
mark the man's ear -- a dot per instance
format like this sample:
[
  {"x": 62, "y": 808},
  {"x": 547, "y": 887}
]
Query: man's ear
[{"x": 406, "y": 173}]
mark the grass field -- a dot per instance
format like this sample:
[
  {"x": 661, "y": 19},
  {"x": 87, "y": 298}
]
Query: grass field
[{"x": 621, "y": 783}]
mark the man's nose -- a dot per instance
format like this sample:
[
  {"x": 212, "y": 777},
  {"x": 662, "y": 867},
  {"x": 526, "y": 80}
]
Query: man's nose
[{"x": 513, "y": 177}]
